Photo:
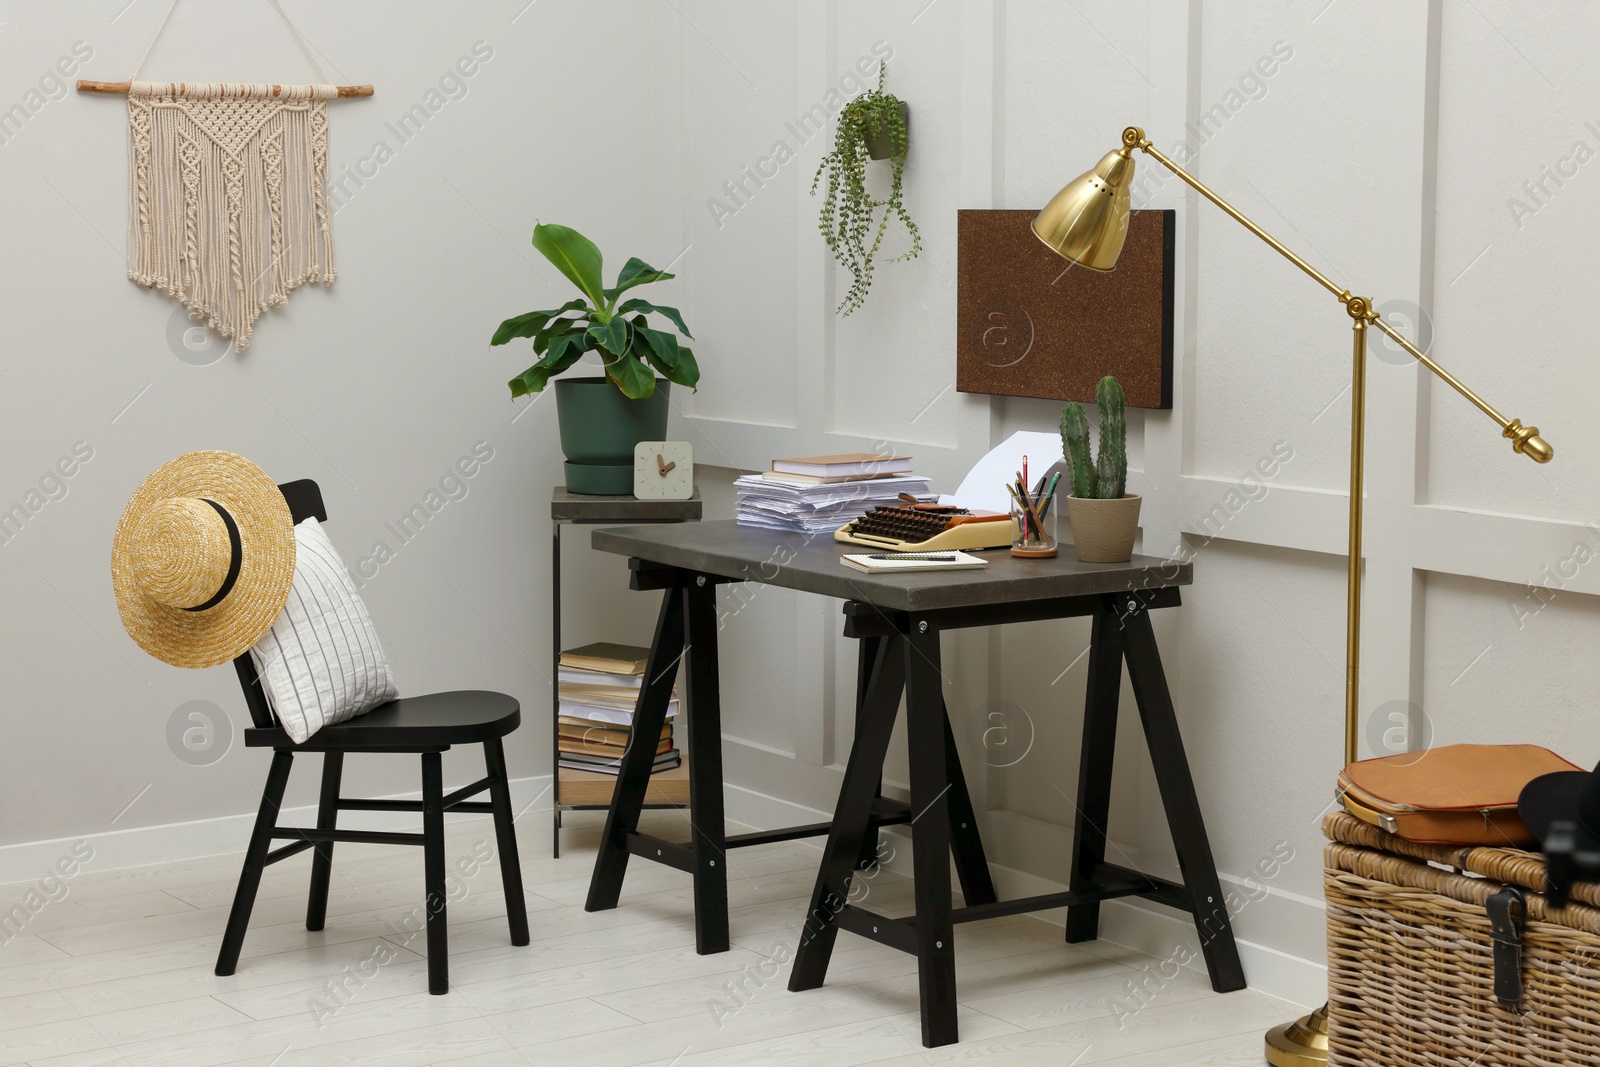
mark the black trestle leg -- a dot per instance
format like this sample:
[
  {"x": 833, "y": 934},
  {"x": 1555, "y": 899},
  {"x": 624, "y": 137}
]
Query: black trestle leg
[
  {"x": 633, "y": 778},
  {"x": 1178, "y": 797},
  {"x": 930, "y": 839},
  {"x": 972, "y": 866},
  {"x": 505, "y": 833},
  {"x": 852, "y": 815},
  {"x": 1094, "y": 767},
  {"x": 322, "y": 859},
  {"x": 871, "y": 648},
  {"x": 702, "y": 700},
  {"x": 244, "y": 898},
  {"x": 433, "y": 866}
]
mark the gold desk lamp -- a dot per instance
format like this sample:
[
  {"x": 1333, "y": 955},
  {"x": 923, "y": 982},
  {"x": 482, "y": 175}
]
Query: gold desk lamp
[{"x": 1085, "y": 223}]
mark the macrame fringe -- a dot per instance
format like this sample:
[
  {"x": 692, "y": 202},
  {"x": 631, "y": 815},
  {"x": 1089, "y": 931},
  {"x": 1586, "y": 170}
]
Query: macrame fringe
[{"x": 228, "y": 207}]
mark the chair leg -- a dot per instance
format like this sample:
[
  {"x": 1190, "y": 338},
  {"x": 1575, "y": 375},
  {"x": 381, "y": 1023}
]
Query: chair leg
[
  {"x": 505, "y": 833},
  {"x": 244, "y": 898},
  {"x": 322, "y": 860},
  {"x": 433, "y": 866}
]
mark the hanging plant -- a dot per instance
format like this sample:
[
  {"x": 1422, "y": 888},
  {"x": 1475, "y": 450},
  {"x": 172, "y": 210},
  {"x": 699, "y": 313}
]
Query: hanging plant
[{"x": 872, "y": 126}]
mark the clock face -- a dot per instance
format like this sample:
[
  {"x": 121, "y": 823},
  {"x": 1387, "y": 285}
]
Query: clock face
[{"x": 663, "y": 470}]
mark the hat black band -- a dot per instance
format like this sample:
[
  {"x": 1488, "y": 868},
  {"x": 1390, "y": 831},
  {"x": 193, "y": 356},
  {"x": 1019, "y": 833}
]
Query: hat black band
[{"x": 236, "y": 548}]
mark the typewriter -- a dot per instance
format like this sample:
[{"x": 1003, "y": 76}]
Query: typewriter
[{"x": 927, "y": 528}]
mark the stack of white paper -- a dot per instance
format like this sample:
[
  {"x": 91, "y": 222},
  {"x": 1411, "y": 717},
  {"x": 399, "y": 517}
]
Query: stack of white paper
[{"x": 817, "y": 508}]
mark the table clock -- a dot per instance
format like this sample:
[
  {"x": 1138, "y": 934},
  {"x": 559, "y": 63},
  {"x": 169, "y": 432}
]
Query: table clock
[{"x": 663, "y": 470}]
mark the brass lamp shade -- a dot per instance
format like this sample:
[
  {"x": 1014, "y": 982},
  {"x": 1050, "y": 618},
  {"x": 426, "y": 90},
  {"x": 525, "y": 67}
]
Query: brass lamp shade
[{"x": 1087, "y": 221}]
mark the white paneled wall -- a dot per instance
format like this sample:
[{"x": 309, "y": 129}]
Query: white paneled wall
[
  {"x": 1518, "y": 203},
  {"x": 1380, "y": 140}
]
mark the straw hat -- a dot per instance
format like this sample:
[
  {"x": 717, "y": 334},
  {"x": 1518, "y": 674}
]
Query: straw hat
[{"x": 203, "y": 559}]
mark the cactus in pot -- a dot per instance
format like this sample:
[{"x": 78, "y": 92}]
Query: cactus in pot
[
  {"x": 1104, "y": 517},
  {"x": 1102, "y": 477}
]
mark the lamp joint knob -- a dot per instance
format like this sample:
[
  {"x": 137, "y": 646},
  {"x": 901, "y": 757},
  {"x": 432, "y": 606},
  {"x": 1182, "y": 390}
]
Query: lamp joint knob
[{"x": 1526, "y": 440}]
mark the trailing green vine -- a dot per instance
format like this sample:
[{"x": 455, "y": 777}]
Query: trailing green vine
[{"x": 849, "y": 221}]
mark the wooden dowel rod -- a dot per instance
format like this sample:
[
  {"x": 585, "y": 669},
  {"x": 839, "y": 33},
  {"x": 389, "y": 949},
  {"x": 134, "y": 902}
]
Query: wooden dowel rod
[{"x": 87, "y": 86}]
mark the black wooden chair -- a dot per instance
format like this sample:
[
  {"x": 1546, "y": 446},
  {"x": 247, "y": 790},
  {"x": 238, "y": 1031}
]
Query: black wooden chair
[{"x": 425, "y": 724}]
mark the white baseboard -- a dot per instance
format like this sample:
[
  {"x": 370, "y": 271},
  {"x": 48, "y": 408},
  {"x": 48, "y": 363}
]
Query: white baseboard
[
  {"x": 142, "y": 845},
  {"x": 760, "y": 811},
  {"x": 1292, "y": 978},
  {"x": 1161, "y": 932}
]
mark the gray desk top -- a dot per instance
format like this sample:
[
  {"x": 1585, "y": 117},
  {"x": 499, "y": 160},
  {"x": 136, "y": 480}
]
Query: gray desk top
[
  {"x": 583, "y": 507},
  {"x": 811, "y": 564}
]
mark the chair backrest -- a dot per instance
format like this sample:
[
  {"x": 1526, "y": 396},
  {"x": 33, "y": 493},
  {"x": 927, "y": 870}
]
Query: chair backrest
[{"x": 305, "y": 502}]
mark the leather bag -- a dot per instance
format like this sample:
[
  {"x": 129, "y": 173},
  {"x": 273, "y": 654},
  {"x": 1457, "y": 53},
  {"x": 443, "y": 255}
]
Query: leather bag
[{"x": 1453, "y": 795}]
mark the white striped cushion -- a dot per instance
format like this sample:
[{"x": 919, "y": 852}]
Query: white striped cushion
[{"x": 321, "y": 662}]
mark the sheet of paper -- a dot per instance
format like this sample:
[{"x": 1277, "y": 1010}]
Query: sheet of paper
[{"x": 984, "y": 487}]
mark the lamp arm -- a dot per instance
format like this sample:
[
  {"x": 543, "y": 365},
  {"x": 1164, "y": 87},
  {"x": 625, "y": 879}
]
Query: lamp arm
[
  {"x": 1524, "y": 439},
  {"x": 1422, "y": 357},
  {"x": 1144, "y": 145}
]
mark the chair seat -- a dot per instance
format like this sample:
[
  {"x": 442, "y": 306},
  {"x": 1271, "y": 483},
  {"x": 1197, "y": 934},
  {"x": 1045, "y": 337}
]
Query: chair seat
[{"x": 437, "y": 720}]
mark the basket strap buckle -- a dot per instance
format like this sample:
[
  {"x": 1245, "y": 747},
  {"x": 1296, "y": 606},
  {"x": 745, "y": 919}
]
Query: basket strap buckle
[{"x": 1507, "y": 911}]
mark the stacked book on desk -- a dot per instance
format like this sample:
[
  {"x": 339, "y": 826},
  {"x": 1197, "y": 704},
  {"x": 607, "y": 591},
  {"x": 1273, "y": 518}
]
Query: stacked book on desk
[
  {"x": 598, "y": 688},
  {"x": 819, "y": 494}
]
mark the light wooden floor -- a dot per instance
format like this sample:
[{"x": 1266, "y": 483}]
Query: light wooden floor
[{"x": 118, "y": 971}]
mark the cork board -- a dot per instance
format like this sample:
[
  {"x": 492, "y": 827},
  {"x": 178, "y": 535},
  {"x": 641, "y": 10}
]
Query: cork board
[{"x": 1028, "y": 323}]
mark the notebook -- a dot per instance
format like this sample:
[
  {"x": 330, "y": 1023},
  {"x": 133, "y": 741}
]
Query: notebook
[
  {"x": 601, "y": 765},
  {"x": 609, "y": 733},
  {"x": 606, "y": 657},
  {"x": 906, "y": 562},
  {"x": 587, "y": 747},
  {"x": 846, "y": 465},
  {"x": 596, "y": 679},
  {"x": 609, "y": 716},
  {"x": 821, "y": 479}
]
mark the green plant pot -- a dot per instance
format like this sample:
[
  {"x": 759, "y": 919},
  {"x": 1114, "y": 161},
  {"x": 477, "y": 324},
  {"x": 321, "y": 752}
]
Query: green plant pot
[
  {"x": 881, "y": 140},
  {"x": 599, "y": 429}
]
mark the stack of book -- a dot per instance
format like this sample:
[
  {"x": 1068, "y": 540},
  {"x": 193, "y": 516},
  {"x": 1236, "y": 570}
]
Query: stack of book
[
  {"x": 599, "y": 687},
  {"x": 819, "y": 494}
]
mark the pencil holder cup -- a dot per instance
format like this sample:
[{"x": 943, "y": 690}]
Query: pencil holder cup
[{"x": 1031, "y": 538}]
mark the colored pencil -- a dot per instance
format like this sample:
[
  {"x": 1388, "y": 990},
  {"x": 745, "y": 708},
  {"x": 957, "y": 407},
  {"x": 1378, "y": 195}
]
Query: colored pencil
[
  {"x": 1020, "y": 488},
  {"x": 1050, "y": 495}
]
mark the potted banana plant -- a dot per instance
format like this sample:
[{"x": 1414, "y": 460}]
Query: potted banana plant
[
  {"x": 602, "y": 418},
  {"x": 1103, "y": 514}
]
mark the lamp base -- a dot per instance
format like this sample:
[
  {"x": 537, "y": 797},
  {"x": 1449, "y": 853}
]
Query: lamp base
[{"x": 1302, "y": 1043}]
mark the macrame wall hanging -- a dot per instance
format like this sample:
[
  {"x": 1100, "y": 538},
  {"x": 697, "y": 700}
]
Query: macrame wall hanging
[{"x": 227, "y": 190}]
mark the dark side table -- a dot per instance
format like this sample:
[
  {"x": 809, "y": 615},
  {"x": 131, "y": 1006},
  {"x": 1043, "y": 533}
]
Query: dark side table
[
  {"x": 583, "y": 790},
  {"x": 899, "y": 620}
]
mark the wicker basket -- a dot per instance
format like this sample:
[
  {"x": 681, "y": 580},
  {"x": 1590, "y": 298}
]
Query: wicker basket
[{"x": 1411, "y": 966}]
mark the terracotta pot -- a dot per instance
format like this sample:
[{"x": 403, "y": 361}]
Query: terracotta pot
[{"x": 1103, "y": 530}]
